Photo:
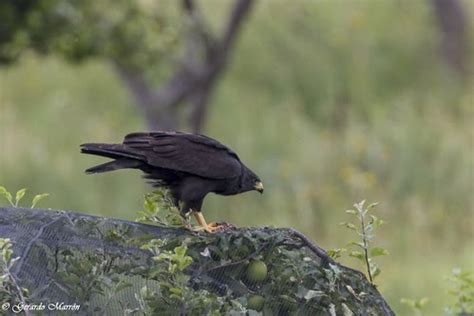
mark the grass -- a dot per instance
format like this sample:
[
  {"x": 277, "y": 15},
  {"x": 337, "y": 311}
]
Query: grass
[{"x": 329, "y": 105}]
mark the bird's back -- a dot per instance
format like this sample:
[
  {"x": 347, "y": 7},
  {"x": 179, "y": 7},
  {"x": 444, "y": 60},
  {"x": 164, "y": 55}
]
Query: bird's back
[{"x": 177, "y": 152}]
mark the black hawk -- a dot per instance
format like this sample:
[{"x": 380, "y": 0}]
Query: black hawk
[{"x": 190, "y": 165}]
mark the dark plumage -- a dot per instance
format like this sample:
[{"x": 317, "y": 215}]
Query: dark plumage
[{"x": 190, "y": 165}]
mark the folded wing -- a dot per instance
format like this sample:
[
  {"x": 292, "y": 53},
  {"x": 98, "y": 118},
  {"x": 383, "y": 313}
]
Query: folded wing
[{"x": 194, "y": 154}]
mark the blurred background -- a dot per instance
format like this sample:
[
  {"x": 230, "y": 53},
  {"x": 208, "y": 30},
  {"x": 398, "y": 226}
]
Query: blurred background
[{"x": 330, "y": 102}]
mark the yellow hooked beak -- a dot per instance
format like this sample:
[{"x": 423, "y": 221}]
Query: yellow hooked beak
[{"x": 258, "y": 186}]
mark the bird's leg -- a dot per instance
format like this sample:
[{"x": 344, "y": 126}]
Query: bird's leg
[
  {"x": 186, "y": 221},
  {"x": 211, "y": 228}
]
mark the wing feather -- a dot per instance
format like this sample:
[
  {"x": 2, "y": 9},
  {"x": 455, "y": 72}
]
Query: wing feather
[{"x": 191, "y": 153}]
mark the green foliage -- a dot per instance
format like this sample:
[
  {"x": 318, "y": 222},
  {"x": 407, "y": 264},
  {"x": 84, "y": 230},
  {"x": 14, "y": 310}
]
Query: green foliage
[
  {"x": 261, "y": 272},
  {"x": 10, "y": 291},
  {"x": 261, "y": 275},
  {"x": 7, "y": 195},
  {"x": 19, "y": 195},
  {"x": 158, "y": 209},
  {"x": 462, "y": 291},
  {"x": 336, "y": 253},
  {"x": 177, "y": 260},
  {"x": 416, "y": 305},
  {"x": 85, "y": 275},
  {"x": 38, "y": 198},
  {"x": 174, "y": 293},
  {"x": 136, "y": 34},
  {"x": 366, "y": 232}
]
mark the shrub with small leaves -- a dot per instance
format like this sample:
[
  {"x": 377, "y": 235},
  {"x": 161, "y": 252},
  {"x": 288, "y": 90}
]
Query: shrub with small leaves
[
  {"x": 173, "y": 294},
  {"x": 19, "y": 195},
  {"x": 159, "y": 210},
  {"x": 84, "y": 275},
  {"x": 367, "y": 224},
  {"x": 463, "y": 292},
  {"x": 10, "y": 291},
  {"x": 336, "y": 253}
]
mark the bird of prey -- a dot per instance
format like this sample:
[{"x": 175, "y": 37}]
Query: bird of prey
[{"x": 189, "y": 165}]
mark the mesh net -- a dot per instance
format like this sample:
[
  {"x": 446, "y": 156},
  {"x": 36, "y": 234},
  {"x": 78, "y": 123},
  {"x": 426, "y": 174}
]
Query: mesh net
[{"x": 100, "y": 265}]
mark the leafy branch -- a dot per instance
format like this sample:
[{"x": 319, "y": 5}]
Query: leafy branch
[
  {"x": 158, "y": 209},
  {"x": 365, "y": 232},
  {"x": 10, "y": 291},
  {"x": 174, "y": 293},
  {"x": 19, "y": 195},
  {"x": 463, "y": 291}
]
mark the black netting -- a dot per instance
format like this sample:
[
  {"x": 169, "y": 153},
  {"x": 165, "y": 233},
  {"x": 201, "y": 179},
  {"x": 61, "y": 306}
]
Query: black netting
[{"x": 79, "y": 259}]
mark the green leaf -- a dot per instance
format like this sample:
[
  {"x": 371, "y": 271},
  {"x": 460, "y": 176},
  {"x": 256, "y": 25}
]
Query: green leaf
[
  {"x": 38, "y": 198},
  {"x": 375, "y": 221},
  {"x": 374, "y": 270},
  {"x": 358, "y": 244},
  {"x": 358, "y": 255},
  {"x": 336, "y": 252},
  {"x": 176, "y": 290},
  {"x": 180, "y": 251},
  {"x": 351, "y": 212},
  {"x": 172, "y": 268},
  {"x": 7, "y": 195},
  {"x": 184, "y": 263},
  {"x": 360, "y": 205},
  {"x": 378, "y": 251},
  {"x": 372, "y": 205},
  {"x": 348, "y": 225},
  {"x": 19, "y": 195}
]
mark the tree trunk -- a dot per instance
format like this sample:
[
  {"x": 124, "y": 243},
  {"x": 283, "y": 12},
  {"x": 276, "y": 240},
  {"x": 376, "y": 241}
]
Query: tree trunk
[
  {"x": 453, "y": 27},
  {"x": 158, "y": 114},
  {"x": 195, "y": 78}
]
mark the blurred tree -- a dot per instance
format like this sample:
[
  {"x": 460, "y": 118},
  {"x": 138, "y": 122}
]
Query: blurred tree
[
  {"x": 140, "y": 39},
  {"x": 452, "y": 22}
]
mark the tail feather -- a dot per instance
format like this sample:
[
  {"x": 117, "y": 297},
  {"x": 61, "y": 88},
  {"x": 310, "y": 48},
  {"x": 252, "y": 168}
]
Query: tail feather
[
  {"x": 114, "y": 165},
  {"x": 114, "y": 151},
  {"x": 123, "y": 155}
]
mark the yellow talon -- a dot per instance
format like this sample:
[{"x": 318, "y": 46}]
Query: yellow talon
[{"x": 210, "y": 228}]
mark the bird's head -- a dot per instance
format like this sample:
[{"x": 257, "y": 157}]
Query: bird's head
[{"x": 251, "y": 182}]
